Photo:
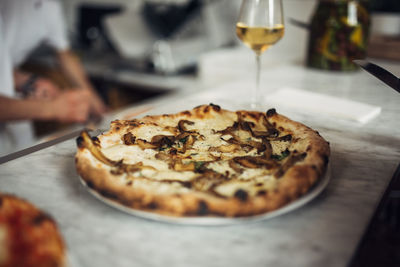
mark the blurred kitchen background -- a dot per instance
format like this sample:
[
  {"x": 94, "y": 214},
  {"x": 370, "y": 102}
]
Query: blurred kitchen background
[{"x": 137, "y": 50}]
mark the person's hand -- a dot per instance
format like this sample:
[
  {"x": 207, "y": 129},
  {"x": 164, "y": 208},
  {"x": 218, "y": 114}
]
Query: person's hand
[
  {"x": 71, "y": 106},
  {"x": 44, "y": 89},
  {"x": 97, "y": 106}
]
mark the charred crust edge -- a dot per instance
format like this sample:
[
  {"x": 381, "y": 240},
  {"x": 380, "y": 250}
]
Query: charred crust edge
[
  {"x": 325, "y": 158},
  {"x": 271, "y": 112},
  {"x": 202, "y": 208},
  {"x": 152, "y": 205},
  {"x": 215, "y": 107},
  {"x": 79, "y": 142},
  {"x": 241, "y": 194}
]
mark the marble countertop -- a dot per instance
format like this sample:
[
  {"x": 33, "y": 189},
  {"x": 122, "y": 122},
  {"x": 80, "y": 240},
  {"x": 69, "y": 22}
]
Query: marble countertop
[{"x": 325, "y": 232}]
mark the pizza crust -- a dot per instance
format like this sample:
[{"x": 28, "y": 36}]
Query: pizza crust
[
  {"x": 293, "y": 183},
  {"x": 28, "y": 236}
]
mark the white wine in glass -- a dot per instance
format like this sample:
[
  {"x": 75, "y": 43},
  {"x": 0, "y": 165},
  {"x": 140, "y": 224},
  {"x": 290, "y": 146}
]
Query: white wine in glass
[{"x": 260, "y": 25}]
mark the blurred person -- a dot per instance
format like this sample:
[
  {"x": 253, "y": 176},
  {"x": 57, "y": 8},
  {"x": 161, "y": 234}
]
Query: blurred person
[
  {"x": 26, "y": 24},
  {"x": 69, "y": 106}
]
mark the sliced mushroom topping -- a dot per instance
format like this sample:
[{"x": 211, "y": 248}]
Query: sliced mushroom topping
[
  {"x": 245, "y": 125},
  {"x": 196, "y": 166},
  {"x": 261, "y": 134},
  {"x": 272, "y": 131},
  {"x": 255, "y": 162},
  {"x": 246, "y": 162},
  {"x": 182, "y": 127},
  {"x": 268, "y": 148},
  {"x": 257, "y": 145},
  {"x": 157, "y": 141},
  {"x": 284, "y": 138},
  {"x": 161, "y": 140},
  {"x": 188, "y": 142},
  {"x": 235, "y": 166},
  {"x": 185, "y": 143},
  {"x": 234, "y": 140},
  {"x": 209, "y": 180},
  {"x": 292, "y": 160},
  {"x": 181, "y": 137},
  {"x": 129, "y": 139},
  {"x": 248, "y": 126},
  {"x": 229, "y": 129},
  {"x": 96, "y": 141},
  {"x": 146, "y": 145},
  {"x": 84, "y": 140},
  {"x": 225, "y": 148},
  {"x": 178, "y": 166},
  {"x": 246, "y": 146},
  {"x": 135, "y": 167}
]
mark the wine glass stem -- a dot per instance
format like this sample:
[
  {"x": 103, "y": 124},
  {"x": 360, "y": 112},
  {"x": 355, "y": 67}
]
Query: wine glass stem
[{"x": 256, "y": 95}]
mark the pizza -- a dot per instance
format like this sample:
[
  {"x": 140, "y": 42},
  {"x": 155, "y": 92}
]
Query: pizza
[
  {"x": 207, "y": 161},
  {"x": 28, "y": 236}
]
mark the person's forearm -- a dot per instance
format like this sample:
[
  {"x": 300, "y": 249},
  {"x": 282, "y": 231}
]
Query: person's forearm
[
  {"x": 15, "y": 109},
  {"x": 73, "y": 70}
]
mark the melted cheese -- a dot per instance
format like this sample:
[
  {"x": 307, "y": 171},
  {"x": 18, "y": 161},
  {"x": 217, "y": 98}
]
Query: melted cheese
[
  {"x": 134, "y": 154},
  {"x": 212, "y": 140},
  {"x": 160, "y": 188},
  {"x": 204, "y": 126},
  {"x": 252, "y": 187},
  {"x": 160, "y": 175}
]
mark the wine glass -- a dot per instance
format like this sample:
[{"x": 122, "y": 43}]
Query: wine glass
[{"x": 260, "y": 25}]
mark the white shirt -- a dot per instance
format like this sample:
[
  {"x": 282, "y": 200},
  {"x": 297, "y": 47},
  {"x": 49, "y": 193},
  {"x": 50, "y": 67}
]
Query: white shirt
[
  {"x": 25, "y": 25},
  {"x": 6, "y": 89},
  {"x": 30, "y": 23}
]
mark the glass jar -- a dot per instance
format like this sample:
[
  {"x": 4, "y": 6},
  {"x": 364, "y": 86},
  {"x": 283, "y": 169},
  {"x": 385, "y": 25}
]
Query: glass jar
[{"x": 338, "y": 34}]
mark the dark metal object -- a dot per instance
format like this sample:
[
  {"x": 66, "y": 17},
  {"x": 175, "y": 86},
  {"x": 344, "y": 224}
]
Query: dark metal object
[
  {"x": 164, "y": 19},
  {"x": 90, "y": 25},
  {"x": 380, "y": 73},
  {"x": 381, "y": 241},
  {"x": 40, "y": 146}
]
